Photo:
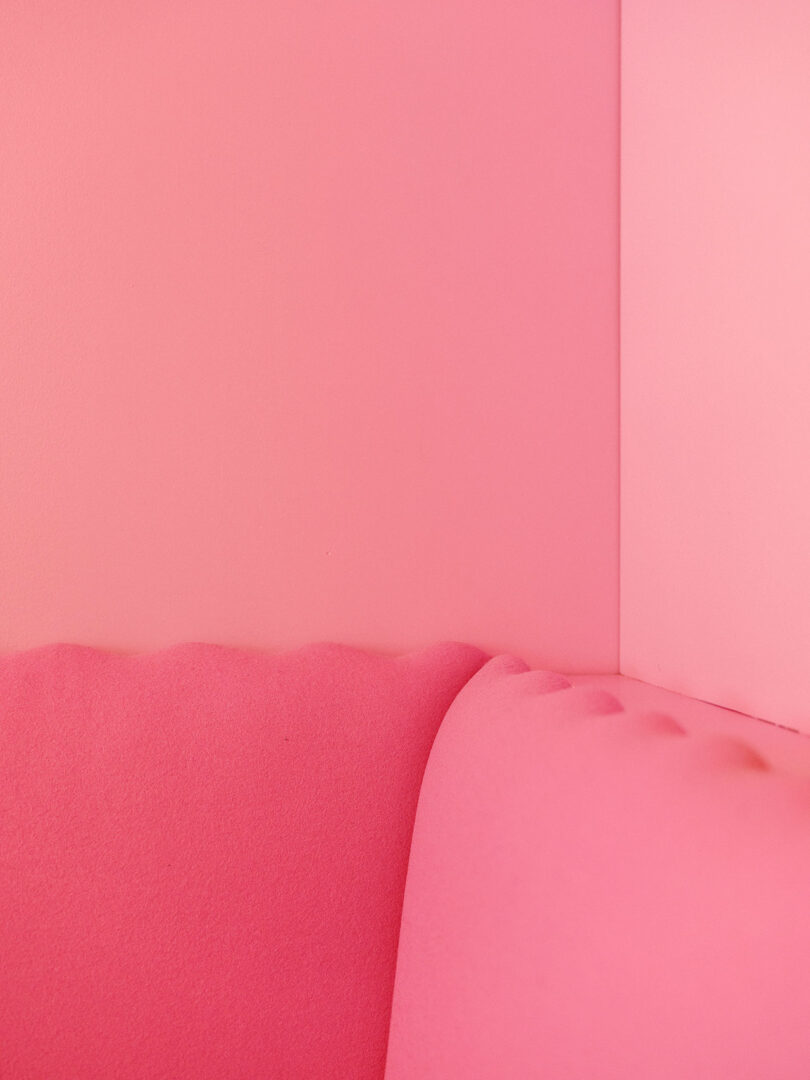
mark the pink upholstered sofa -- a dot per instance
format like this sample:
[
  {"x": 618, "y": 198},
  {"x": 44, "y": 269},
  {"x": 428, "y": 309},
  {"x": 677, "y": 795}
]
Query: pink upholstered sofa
[{"x": 203, "y": 857}]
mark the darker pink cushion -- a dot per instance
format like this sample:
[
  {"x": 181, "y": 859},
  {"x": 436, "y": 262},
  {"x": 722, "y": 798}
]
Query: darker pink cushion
[
  {"x": 202, "y": 857},
  {"x": 603, "y": 889}
]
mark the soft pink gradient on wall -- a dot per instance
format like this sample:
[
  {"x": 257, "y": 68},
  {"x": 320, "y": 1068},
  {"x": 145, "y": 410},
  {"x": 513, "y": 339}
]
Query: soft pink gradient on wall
[
  {"x": 716, "y": 352},
  {"x": 309, "y": 324}
]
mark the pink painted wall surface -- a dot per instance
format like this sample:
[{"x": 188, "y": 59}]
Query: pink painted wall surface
[
  {"x": 715, "y": 567},
  {"x": 309, "y": 324}
]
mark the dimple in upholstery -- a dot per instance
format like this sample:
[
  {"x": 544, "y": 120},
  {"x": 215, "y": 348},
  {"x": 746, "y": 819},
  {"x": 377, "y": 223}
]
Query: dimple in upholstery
[{"x": 602, "y": 892}]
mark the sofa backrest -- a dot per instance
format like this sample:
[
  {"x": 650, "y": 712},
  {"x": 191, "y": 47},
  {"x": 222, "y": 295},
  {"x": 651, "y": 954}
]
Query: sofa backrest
[
  {"x": 202, "y": 857},
  {"x": 601, "y": 893}
]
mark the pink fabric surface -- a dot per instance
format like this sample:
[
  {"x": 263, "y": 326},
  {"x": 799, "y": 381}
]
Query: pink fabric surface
[
  {"x": 202, "y": 857},
  {"x": 606, "y": 881}
]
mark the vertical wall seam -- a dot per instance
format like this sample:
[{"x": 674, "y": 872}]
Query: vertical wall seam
[{"x": 619, "y": 345}]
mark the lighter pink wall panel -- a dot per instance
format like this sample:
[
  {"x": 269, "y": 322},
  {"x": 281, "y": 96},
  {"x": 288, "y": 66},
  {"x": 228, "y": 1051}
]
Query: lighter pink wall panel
[
  {"x": 309, "y": 324},
  {"x": 716, "y": 351}
]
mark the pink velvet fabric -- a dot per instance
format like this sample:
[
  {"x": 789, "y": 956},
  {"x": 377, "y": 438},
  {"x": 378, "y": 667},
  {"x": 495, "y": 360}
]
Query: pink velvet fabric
[
  {"x": 202, "y": 857},
  {"x": 607, "y": 882}
]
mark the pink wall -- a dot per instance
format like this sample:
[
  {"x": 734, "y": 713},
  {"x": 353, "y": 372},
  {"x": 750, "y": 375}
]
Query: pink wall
[
  {"x": 309, "y": 324},
  {"x": 716, "y": 351}
]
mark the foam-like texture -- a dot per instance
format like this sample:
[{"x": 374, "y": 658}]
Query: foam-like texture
[
  {"x": 202, "y": 857},
  {"x": 600, "y": 889}
]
